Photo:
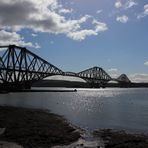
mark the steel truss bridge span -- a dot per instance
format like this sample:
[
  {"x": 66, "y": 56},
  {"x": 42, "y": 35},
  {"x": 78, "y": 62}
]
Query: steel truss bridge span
[
  {"x": 19, "y": 67},
  {"x": 92, "y": 75},
  {"x": 97, "y": 77}
]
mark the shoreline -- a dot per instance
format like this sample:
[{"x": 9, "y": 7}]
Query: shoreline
[
  {"x": 121, "y": 138},
  {"x": 37, "y": 90},
  {"x": 34, "y": 128}
]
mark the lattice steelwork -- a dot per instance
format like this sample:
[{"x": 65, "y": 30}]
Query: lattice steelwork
[
  {"x": 123, "y": 78},
  {"x": 19, "y": 67},
  {"x": 70, "y": 74},
  {"x": 18, "y": 64},
  {"x": 96, "y": 74}
]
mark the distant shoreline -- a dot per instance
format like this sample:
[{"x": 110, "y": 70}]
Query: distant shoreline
[{"x": 75, "y": 84}]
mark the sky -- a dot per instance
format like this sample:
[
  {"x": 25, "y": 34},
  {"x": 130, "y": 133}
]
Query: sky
[{"x": 78, "y": 34}]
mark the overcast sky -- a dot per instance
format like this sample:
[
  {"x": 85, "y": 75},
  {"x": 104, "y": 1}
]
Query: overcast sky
[{"x": 78, "y": 34}]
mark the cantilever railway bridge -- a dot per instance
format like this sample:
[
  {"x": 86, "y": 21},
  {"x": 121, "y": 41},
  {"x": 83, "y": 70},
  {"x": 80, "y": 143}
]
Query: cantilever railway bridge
[{"x": 19, "y": 68}]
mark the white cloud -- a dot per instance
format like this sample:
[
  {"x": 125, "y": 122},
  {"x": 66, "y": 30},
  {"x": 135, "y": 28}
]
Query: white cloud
[
  {"x": 40, "y": 16},
  {"x": 34, "y": 35},
  {"x": 138, "y": 77},
  {"x": 128, "y": 4},
  {"x": 144, "y": 13},
  {"x": 82, "y": 34},
  {"x": 36, "y": 45},
  {"x": 146, "y": 9},
  {"x": 100, "y": 26},
  {"x": 113, "y": 70},
  {"x": 99, "y": 11},
  {"x": 65, "y": 10},
  {"x": 146, "y": 63},
  {"x": 122, "y": 19},
  {"x": 118, "y": 4},
  {"x": 7, "y": 38}
]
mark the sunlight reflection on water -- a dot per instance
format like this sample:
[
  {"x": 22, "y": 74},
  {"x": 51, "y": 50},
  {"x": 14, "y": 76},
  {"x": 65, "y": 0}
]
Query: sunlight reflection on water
[{"x": 91, "y": 108}]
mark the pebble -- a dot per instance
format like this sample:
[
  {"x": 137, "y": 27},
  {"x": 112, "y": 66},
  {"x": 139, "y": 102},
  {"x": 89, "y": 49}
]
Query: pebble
[
  {"x": 2, "y": 130},
  {"x": 4, "y": 144}
]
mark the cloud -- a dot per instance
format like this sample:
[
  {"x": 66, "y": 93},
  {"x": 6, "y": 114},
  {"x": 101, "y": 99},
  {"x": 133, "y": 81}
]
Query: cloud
[
  {"x": 65, "y": 10},
  {"x": 99, "y": 11},
  {"x": 128, "y": 4},
  {"x": 82, "y": 34},
  {"x": 113, "y": 70},
  {"x": 7, "y": 38},
  {"x": 118, "y": 4},
  {"x": 146, "y": 9},
  {"x": 40, "y": 16},
  {"x": 100, "y": 26},
  {"x": 146, "y": 63},
  {"x": 144, "y": 13},
  {"x": 122, "y": 19},
  {"x": 34, "y": 35},
  {"x": 138, "y": 77}
]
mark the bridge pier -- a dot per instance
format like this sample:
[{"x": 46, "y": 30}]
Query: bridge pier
[
  {"x": 17, "y": 86},
  {"x": 98, "y": 85},
  {"x": 124, "y": 84}
]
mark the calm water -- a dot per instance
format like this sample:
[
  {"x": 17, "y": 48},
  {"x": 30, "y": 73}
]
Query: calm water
[{"x": 91, "y": 108}]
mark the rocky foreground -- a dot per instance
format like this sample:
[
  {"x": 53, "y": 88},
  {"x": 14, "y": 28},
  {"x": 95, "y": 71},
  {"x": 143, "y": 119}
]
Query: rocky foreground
[
  {"x": 33, "y": 128},
  {"x": 121, "y": 139}
]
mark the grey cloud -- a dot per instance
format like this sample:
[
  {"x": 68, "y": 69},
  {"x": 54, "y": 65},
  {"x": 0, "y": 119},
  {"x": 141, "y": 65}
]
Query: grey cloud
[
  {"x": 43, "y": 25},
  {"x": 40, "y": 17},
  {"x": 16, "y": 13}
]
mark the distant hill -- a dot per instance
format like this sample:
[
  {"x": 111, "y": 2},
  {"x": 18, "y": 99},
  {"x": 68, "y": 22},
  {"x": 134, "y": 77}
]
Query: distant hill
[
  {"x": 75, "y": 84},
  {"x": 60, "y": 83}
]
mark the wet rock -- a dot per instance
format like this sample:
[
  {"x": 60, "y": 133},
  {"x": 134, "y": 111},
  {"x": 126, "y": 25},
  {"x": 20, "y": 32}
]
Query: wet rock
[
  {"x": 33, "y": 128},
  {"x": 2, "y": 130},
  {"x": 121, "y": 139},
  {"x": 4, "y": 144},
  {"x": 86, "y": 141}
]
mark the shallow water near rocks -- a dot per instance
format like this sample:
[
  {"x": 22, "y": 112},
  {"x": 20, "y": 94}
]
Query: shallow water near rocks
[{"x": 87, "y": 140}]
